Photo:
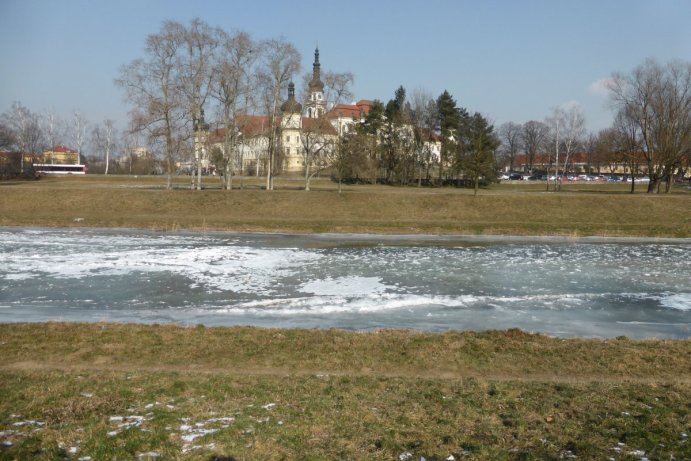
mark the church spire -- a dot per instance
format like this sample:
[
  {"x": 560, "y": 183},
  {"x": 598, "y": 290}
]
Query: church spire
[
  {"x": 316, "y": 104},
  {"x": 316, "y": 84}
]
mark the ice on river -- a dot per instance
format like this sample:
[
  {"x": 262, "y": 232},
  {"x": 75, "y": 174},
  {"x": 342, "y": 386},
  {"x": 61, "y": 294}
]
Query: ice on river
[{"x": 560, "y": 288}]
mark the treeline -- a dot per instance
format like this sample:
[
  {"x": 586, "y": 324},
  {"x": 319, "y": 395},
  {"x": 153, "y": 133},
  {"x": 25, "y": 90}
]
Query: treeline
[
  {"x": 419, "y": 139},
  {"x": 650, "y": 134},
  {"x": 25, "y": 135},
  {"x": 193, "y": 78},
  {"x": 187, "y": 69}
]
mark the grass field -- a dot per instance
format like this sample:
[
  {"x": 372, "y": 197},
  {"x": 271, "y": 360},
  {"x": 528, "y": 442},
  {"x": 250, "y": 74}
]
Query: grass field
[
  {"x": 143, "y": 392},
  {"x": 519, "y": 209},
  {"x": 110, "y": 391}
]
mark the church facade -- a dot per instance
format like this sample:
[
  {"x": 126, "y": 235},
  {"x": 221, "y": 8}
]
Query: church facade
[{"x": 298, "y": 129}]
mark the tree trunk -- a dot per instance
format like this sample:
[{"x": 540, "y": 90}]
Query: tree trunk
[
  {"x": 169, "y": 160},
  {"x": 654, "y": 186},
  {"x": 307, "y": 175},
  {"x": 199, "y": 171}
]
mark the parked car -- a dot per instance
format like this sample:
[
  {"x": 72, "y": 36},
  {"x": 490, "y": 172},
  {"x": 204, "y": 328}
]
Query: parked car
[{"x": 515, "y": 177}]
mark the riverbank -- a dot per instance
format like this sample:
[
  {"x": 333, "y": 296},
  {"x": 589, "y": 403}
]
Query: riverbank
[
  {"x": 129, "y": 391},
  {"x": 132, "y": 391},
  {"x": 504, "y": 209}
]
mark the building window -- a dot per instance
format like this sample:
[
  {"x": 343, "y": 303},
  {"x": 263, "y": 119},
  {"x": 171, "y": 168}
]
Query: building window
[{"x": 287, "y": 138}]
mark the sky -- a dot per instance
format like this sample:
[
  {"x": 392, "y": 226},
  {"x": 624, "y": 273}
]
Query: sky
[{"x": 509, "y": 60}]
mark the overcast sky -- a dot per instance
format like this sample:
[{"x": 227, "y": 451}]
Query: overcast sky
[{"x": 510, "y": 60}]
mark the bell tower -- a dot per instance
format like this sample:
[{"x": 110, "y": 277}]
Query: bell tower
[{"x": 316, "y": 105}]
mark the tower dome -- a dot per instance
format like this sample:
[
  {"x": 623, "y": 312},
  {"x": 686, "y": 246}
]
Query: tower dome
[{"x": 291, "y": 105}]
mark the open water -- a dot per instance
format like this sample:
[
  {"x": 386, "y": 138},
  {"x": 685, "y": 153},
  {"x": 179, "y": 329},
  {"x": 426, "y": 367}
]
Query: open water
[{"x": 591, "y": 288}]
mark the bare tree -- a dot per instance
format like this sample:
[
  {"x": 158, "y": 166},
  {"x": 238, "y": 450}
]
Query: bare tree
[
  {"x": 234, "y": 80},
  {"x": 657, "y": 98},
  {"x": 279, "y": 62},
  {"x": 79, "y": 133},
  {"x": 337, "y": 87},
  {"x": 104, "y": 137},
  {"x": 152, "y": 86},
  {"x": 511, "y": 137},
  {"x": 425, "y": 116},
  {"x": 53, "y": 132},
  {"x": 567, "y": 126},
  {"x": 26, "y": 132},
  {"x": 318, "y": 144},
  {"x": 628, "y": 140},
  {"x": 533, "y": 137},
  {"x": 7, "y": 138},
  {"x": 195, "y": 62}
]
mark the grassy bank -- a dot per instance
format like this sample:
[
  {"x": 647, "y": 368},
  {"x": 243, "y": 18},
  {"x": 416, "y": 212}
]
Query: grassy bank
[
  {"x": 588, "y": 209},
  {"x": 132, "y": 391},
  {"x": 108, "y": 391}
]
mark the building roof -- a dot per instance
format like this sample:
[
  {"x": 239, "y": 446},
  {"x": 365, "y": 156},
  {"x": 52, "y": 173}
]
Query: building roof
[
  {"x": 62, "y": 149},
  {"x": 321, "y": 125},
  {"x": 249, "y": 125},
  {"x": 258, "y": 125},
  {"x": 354, "y": 111},
  {"x": 428, "y": 135}
]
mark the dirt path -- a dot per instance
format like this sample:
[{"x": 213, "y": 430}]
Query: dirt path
[{"x": 36, "y": 366}]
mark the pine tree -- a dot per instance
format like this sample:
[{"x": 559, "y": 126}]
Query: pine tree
[
  {"x": 476, "y": 147},
  {"x": 450, "y": 118}
]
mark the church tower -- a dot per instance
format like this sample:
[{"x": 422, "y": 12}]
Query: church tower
[
  {"x": 291, "y": 126},
  {"x": 291, "y": 111},
  {"x": 316, "y": 104}
]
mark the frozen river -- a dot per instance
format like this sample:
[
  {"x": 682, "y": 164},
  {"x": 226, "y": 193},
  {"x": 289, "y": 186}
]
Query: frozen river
[{"x": 586, "y": 288}]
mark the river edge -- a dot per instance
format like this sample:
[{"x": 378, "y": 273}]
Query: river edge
[{"x": 375, "y": 238}]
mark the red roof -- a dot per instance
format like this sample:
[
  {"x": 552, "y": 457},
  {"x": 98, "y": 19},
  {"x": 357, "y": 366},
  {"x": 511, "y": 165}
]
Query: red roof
[
  {"x": 428, "y": 135},
  {"x": 249, "y": 125},
  {"x": 258, "y": 125},
  {"x": 61, "y": 149},
  {"x": 354, "y": 111},
  {"x": 318, "y": 124}
]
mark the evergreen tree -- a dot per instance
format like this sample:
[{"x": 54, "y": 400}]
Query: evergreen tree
[
  {"x": 370, "y": 127},
  {"x": 450, "y": 118},
  {"x": 395, "y": 141},
  {"x": 476, "y": 147}
]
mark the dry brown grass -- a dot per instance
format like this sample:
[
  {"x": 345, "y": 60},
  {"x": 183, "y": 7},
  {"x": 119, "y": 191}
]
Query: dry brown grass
[
  {"x": 391, "y": 353},
  {"x": 143, "y": 203}
]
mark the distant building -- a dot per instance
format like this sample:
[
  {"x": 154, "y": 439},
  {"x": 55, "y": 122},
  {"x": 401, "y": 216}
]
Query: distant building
[
  {"x": 253, "y": 131},
  {"x": 298, "y": 127},
  {"x": 58, "y": 155},
  {"x": 344, "y": 117}
]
